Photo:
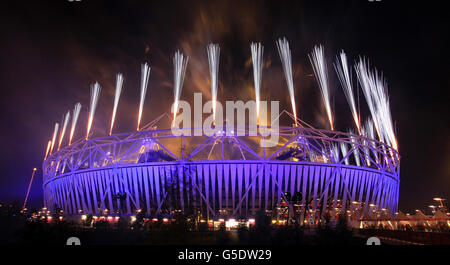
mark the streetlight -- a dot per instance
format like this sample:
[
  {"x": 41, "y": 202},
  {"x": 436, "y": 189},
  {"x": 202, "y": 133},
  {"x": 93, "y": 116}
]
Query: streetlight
[
  {"x": 29, "y": 186},
  {"x": 441, "y": 201},
  {"x": 433, "y": 208}
]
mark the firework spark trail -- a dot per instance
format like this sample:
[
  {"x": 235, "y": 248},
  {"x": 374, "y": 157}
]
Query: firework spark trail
[
  {"x": 64, "y": 167},
  {"x": 335, "y": 153},
  {"x": 344, "y": 74},
  {"x": 344, "y": 151},
  {"x": 257, "y": 59},
  {"x": 369, "y": 129},
  {"x": 57, "y": 167},
  {"x": 63, "y": 130},
  {"x": 378, "y": 98},
  {"x": 285, "y": 56},
  {"x": 180, "y": 63},
  {"x": 375, "y": 92},
  {"x": 28, "y": 190},
  {"x": 319, "y": 64},
  {"x": 119, "y": 83},
  {"x": 383, "y": 147},
  {"x": 76, "y": 113},
  {"x": 384, "y": 112},
  {"x": 324, "y": 157},
  {"x": 367, "y": 81},
  {"x": 95, "y": 94},
  {"x": 365, "y": 143},
  {"x": 371, "y": 134},
  {"x": 55, "y": 132},
  {"x": 145, "y": 74},
  {"x": 213, "y": 51},
  {"x": 49, "y": 144},
  {"x": 385, "y": 139},
  {"x": 356, "y": 151}
]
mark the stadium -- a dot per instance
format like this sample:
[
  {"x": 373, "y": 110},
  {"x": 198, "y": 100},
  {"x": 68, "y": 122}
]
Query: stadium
[{"x": 225, "y": 176}]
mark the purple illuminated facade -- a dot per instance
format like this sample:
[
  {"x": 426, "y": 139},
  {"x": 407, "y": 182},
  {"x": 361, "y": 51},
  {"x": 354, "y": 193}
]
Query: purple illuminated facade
[{"x": 222, "y": 176}]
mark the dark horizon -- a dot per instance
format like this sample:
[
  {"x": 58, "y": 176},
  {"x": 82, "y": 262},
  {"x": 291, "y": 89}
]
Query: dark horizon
[{"x": 52, "y": 51}]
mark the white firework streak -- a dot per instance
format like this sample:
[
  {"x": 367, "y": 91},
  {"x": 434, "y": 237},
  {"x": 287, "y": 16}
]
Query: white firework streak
[
  {"x": 257, "y": 59},
  {"x": 318, "y": 62},
  {"x": 369, "y": 129},
  {"x": 76, "y": 113},
  {"x": 312, "y": 157},
  {"x": 95, "y": 94},
  {"x": 365, "y": 143},
  {"x": 367, "y": 81},
  {"x": 64, "y": 167},
  {"x": 356, "y": 150},
  {"x": 384, "y": 111},
  {"x": 383, "y": 147},
  {"x": 285, "y": 56},
  {"x": 213, "y": 51},
  {"x": 63, "y": 129},
  {"x": 55, "y": 132},
  {"x": 344, "y": 151},
  {"x": 375, "y": 92},
  {"x": 324, "y": 157},
  {"x": 344, "y": 73},
  {"x": 371, "y": 134},
  {"x": 377, "y": 96},
  {"x": 49, "y": 144},
  {"x": 145, "y": 74},
  {"x": 180, "y": 64},
  {"x": 335, "y": 153},
  {"x": 57, "y": 167},
  {"x": 119, "y": 83}
]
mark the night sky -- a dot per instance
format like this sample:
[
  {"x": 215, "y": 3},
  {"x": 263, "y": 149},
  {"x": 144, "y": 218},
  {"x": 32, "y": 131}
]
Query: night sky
[{"x": 51, "y": 51}]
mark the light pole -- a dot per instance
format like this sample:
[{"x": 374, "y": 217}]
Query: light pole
[
  {"x": 28, "y": 190},
  {"x": 433, "y": 208},
  {"x": 441, "y": 202}
]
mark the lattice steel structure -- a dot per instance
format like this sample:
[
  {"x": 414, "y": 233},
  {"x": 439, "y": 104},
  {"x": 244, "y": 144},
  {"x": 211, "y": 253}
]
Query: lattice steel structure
[{"x": 221, "y": 175}]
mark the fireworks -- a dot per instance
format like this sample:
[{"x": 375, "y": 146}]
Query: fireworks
[
  {"x": 338, "y": 167},
  {"x": 324, "y": 156},
  {"x": 373, "y": 85},
  {"x": 63, "y": 130},
  {"x": 76, "y": 113},
  {"x": 318, "y": 62},
  {"x": 335, "y": 153},
  {"x": 355, "y": 146},
  {"x": 344, "y": 151},
  {"x": 367, "y": 81},
  {"x": 384, "y": 112},
  {"x": 49, "y": 144},
  {"x": 375, "y": 92},
  {"x": 29, "y": 186},
  {"x": 345, "y": 78},
  {"x": 365, "y": 143},
  {"x": 145, "y": 74},
  {"x": 285, "y": 56},
  {"x": 119, "y": 82},
  {"x": 257, "y": 59},
  {"x": 213, "y": 51},
  {"x": 180, "y": 64},
  {"x": 370, "y": 133},
  {"x": 369, "y": 129},
  {"x": 55, "y": 132},
  {"x": 95, "y": 94}
]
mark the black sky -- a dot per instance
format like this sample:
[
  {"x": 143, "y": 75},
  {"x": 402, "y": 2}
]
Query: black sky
[{"x": 50, "y": 51}]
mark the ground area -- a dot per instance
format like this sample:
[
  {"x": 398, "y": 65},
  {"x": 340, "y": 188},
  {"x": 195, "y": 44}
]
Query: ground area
[
  {"x": 20, "y": 230},
  {"x": 17, "y": 228}
]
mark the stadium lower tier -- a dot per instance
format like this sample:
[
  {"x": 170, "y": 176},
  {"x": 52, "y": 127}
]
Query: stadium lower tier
[{"x": 222, "y": 188}]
